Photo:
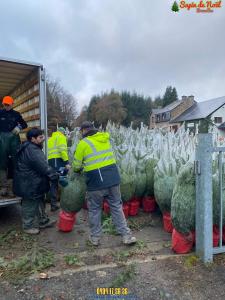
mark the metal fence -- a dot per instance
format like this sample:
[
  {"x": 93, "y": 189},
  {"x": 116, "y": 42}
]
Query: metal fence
[{"x": 204, "y": 197}]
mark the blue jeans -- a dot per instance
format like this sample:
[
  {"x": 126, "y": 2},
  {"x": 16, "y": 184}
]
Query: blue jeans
[{"x": 95, "y": 200}]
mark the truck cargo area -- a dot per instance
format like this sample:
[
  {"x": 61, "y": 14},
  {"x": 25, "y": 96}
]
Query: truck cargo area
[{"x": 25, "y": 82}]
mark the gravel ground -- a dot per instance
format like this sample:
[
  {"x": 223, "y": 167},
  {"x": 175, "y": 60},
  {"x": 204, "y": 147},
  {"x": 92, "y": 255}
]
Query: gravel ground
[
  {"x": 157, "y": 274},
  {"x": 159, "y": 279}
]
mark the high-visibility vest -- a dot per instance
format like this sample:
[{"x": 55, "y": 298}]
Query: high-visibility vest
[
  {"x": 57, "y": 146},
  {"x": 94, "y": 152}
]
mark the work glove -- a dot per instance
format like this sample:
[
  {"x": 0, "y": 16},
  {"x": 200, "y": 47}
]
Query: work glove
[
  {"x": 16, "y": 130},
  {"x": 68, "y": 166},
  {"x": 53, "y": 177},
  {"x": 63, "y": 181}
]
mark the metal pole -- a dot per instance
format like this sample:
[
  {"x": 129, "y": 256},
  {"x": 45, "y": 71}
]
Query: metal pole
[
  {"x": 204, "y": 243},
  {"x": 221, "y": 196},
  {"x": 43, "y": 106}
]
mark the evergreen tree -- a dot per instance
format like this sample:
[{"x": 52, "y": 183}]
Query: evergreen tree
[
  {"x": 175, "y": 7},
  {"x": 169, "y": 96},
  {"x": 158, "y": 102}
]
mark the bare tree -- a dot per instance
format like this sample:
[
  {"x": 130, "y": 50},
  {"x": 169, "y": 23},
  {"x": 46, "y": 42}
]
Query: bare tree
[
  {"x": 62, "y": 106},
  {"x": 110, "y": 107}
]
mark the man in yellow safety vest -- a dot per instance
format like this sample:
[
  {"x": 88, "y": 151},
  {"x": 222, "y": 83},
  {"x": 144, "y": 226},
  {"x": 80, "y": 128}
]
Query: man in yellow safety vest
[
  {"x": 95, "y": 156},
  {"x": 57, "y": 158}
]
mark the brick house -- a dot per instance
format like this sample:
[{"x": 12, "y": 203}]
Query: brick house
[{"x": 163, "y": 117}]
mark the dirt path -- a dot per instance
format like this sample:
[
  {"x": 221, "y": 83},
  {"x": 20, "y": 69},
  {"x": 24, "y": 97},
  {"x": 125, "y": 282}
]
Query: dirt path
[{"x": 72, "y": 269}]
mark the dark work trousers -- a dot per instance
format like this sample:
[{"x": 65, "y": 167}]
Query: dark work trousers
[
  {"x": 54, "y": 192},
  {"x": 56, "y": 164},
  {"x": 33, "y": 212}
]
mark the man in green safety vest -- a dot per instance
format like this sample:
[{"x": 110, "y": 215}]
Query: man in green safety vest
[
  {"x": 95, "y": 156},
  {"x": 57, "y": 158}
]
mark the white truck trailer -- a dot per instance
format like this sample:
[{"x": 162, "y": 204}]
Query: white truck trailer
[{"x": 25, "y": 82}]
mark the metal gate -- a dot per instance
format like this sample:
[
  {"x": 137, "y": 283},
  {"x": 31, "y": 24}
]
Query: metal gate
[{"x": 204, "y": 197}]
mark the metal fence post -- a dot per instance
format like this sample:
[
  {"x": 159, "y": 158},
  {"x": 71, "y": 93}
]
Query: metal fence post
[{"x": 203, "y": 168}]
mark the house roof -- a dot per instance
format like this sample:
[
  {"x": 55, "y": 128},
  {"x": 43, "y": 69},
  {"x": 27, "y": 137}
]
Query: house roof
[
  {"x": 166, "y": 108},
  {"x": 201, "y": 110}
]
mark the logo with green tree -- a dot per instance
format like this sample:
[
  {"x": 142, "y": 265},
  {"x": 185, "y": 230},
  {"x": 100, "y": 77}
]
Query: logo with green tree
[{"x": 175, "y": 7}]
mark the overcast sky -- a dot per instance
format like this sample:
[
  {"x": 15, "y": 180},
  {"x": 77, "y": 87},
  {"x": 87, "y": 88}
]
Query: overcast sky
[{"x": 95, "y": 45}]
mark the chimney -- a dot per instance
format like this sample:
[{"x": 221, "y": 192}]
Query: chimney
[
  {"x": 184, "y": 98},
  {"x": 191, "y": 98}
]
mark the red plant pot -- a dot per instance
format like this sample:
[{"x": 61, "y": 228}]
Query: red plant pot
[
  {"x": 136, "y": 198},
  {"x": 149, "y": 204},
  {"x": 106, "y": 207},
  {"x": 66, "y": 221},
  {"x": 193, "y": 237},
  {"x": 216, "y": 236},
  {"x": 223, "y": 234},
  {"x": 134, "y": 207},
  {"x": 167, "y": 223},
  {"x": 126, "y": 208},
  {"x": 181, "y": 243}
]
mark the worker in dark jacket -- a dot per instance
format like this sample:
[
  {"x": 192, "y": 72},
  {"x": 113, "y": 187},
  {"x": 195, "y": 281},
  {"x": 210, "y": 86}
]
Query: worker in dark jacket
[
  {"x": 11, "y": 123},
  {"x": 95, "y": 155},
  {"x": 31, "y": 181}
]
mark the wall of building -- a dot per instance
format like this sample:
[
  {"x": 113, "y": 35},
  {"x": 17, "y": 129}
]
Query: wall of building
[
  {"x": 219, "y": 113},
  {"x": 152, "y": 121},
  {"x": 182, "y": 107}
]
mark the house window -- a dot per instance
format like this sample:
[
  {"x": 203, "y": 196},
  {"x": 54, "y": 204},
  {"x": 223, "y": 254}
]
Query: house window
[{"x": 218, "y": 120}]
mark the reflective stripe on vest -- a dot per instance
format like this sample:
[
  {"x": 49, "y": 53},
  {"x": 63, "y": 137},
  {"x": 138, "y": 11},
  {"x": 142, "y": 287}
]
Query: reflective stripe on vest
[
  {"x": 56, "y": 149},
  {"x": 95, "y": 161},
  {"x": 96, "y": 153}
]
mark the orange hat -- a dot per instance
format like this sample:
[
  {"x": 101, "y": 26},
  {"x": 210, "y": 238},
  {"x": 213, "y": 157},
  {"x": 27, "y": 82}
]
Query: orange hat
[{"x": 7, "y": 100}]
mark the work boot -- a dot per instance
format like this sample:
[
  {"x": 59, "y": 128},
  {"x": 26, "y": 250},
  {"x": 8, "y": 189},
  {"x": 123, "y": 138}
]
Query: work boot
[
  {"x": 31, "y": 231},
  {"x": 93, "y": 240},
  {"x": 129, "y": 240},
  {"x": 47, "y": 224}
]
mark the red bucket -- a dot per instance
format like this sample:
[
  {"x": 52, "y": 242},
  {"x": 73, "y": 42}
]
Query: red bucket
[
  {"x": 134, "y": 207},
  {"x": 136, "y": 198},
  {"x": 193, "y": 237},
  {"x": 106, "y": 207},
  {"x": 216, "y": 236},
  {"x": 149, "y": 204},
  {"x": 66, "y": 221},
  {"x": 181, "y": 243},
  {"x": 126, "y": 208},
  {"x": 223, "y": 235},
  {"x": 167, "y": 223}
]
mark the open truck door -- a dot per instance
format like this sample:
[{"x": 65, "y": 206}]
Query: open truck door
[{"x": 26, "y": 83}]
